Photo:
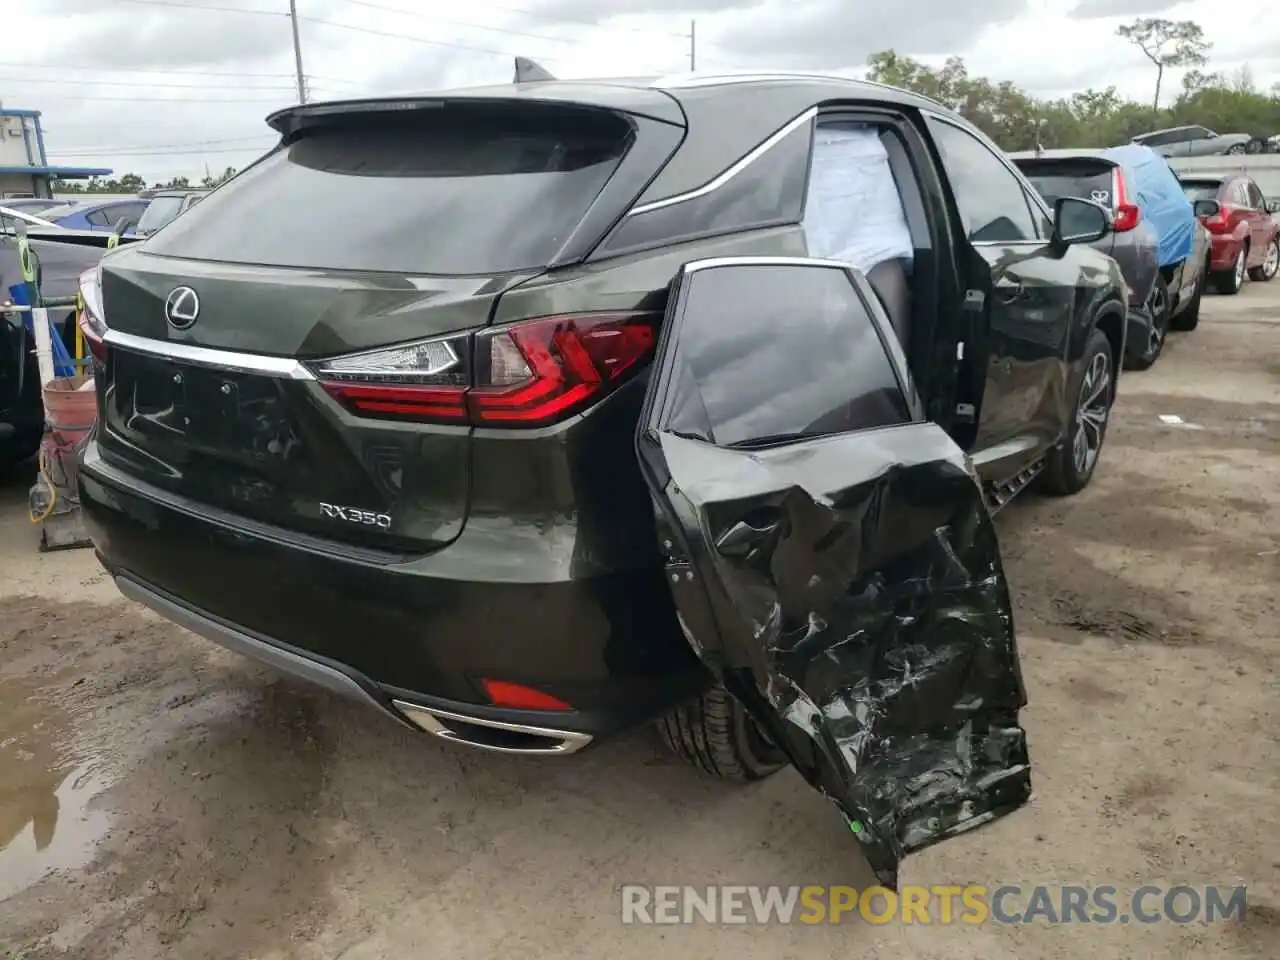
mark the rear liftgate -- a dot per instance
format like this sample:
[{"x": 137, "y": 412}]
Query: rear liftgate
[{"x": 846, "y": 588}]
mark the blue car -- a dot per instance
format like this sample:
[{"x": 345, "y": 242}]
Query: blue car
[{"x": 100, "y": 215}]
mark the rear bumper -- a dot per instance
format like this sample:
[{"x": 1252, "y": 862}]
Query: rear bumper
[
  {"x": 412, "y": 638},
  {"x": 502, "y": 736},
  {"x": 1223, "y": 251}
]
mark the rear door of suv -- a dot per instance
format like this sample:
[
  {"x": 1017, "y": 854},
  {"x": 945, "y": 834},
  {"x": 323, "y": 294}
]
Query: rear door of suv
[
  {"x": 830, "y": 551},
  {"x": 298, "y": 349}
]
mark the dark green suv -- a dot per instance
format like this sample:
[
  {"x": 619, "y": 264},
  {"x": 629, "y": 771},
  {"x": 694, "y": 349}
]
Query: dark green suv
[{"x": 534, "y": 412}]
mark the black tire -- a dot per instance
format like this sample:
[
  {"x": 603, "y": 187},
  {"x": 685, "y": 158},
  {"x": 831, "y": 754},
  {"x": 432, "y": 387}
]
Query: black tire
[
  {"x": 1189, "y": 318},
  {"x": 1266, "y": 271},
  {"x": 1230, "y": 281},
  {"x": 1237, "y": 149},
  {"x": 714, "y": 733},
  {"x": 1064, "y": 475},
  {"x": 1144, "y": 355}
]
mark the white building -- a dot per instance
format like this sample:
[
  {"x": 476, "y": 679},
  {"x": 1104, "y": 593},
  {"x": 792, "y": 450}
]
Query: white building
[{"x": 24, "y": 167}]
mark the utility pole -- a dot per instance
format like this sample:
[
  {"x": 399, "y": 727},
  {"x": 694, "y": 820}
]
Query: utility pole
[
  {"x": 693, "y": 44},
  {"x": 297, "y": 52}
]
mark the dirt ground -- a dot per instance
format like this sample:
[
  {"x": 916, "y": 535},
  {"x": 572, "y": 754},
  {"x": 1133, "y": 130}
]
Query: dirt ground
[{"x": 159, "y": 797}]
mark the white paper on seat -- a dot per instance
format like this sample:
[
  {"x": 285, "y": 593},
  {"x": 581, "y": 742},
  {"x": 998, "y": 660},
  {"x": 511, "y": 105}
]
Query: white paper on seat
[{"x": 853, "y": 211}]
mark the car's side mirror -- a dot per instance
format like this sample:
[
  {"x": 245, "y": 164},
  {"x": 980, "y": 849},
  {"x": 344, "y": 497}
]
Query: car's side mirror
[
  {"x": 1206, "y": 208},
  {"x": 1273, "y": 205},
  {"x": 123, "y": 224},
  {"x": 1076, "y": 220}
]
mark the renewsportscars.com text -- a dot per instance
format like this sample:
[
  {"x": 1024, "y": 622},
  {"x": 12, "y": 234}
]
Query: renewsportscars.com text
[{"x": 973, "y": 904}]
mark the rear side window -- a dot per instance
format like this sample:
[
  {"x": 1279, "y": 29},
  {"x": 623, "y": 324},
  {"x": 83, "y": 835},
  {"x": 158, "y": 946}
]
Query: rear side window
[
  {"x": 455, "y": 191},
  {"x": 768, "y": 350},
  {"x": 1087, "y": 179}
]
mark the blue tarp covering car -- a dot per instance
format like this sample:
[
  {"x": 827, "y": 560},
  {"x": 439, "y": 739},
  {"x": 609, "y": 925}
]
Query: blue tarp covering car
[{"x": 1160, "y": 196}]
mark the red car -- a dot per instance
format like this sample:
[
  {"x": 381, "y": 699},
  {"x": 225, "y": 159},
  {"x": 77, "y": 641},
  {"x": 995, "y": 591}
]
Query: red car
[{"x": 1242, "y": 234}]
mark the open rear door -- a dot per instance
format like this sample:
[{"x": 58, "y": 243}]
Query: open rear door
[{"x": 830, "y": 552}]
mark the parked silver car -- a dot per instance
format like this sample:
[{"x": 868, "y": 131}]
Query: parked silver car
[{"x": 1196, "y": 141}]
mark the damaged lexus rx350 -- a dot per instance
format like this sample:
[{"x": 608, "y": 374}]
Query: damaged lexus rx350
[{"x": 682, "y": 400}]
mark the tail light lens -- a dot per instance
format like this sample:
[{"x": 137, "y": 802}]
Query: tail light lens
[
  {"x": 1220, "y": 222},
  {"x": 529, "y": 374},
  {"x": 92, "y": 318},
  {"x": 1128, "y": 215}
]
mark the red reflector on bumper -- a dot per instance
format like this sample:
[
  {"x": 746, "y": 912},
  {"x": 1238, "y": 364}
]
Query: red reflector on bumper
[{"x": 519, "y": 697}]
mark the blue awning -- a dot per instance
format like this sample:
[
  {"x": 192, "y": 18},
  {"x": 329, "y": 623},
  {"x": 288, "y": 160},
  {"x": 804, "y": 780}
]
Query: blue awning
[{"x": 67, "y": 173}]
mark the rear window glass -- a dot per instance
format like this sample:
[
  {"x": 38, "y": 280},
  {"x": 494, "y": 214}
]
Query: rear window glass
[
  {"x": 1205, "y": 190},
  {"x": 1090, "y": 182},
  {"x": 454, "y": 191},
  {"x": 771, "y": 350}
]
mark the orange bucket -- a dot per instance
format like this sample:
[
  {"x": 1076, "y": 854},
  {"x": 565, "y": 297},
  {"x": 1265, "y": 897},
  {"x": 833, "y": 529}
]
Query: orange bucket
[{"x": 71, "y": 407}]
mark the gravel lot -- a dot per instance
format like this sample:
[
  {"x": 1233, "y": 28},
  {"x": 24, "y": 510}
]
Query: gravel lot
[{"x": 159, "y": 797}]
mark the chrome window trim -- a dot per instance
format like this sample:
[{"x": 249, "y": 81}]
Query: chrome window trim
[
  {"x": 284, "y": 368},
  {"x": 755, "y": 154}
]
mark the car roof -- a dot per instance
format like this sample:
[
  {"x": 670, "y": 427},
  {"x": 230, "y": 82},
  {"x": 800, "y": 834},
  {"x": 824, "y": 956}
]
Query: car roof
[{"x": 728, "y": 115}]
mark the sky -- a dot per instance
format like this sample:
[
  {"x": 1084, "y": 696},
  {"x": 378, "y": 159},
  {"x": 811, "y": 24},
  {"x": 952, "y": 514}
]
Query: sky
[{"x": 169, "y": 88}]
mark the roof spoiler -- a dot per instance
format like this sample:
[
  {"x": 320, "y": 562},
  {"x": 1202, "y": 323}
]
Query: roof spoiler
[{"x": 529, "y": 71}]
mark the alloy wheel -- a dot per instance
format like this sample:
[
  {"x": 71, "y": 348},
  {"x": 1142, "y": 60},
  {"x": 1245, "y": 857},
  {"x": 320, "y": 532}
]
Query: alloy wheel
[
  {"x": 1091, "y": 414},
  {"x": 1272, "y": 263},
  {"x": 1159, "y": 307},
  {"x": 1236, "y": 150},
  {"x": 1240, "y": 268}
]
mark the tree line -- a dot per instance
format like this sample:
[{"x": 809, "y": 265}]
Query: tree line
[
  {"x": 132, "y": 183},
  {"x": 1098, "y": 117}
]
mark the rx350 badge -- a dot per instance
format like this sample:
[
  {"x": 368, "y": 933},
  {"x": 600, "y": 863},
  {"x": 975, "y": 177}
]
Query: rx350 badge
[{"x": 363, "y": 518}]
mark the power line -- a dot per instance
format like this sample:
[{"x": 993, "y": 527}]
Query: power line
[
  {"x": 204, "y": 6},
  {"x": 145, "y": 84},
  {"x": 61, "y": 67},
  {"x": 175, "y": 100},
  {"x": 167, "y": 153},
  {"x": 134, "y": 148},
  {"x": 402, "y": 36}
]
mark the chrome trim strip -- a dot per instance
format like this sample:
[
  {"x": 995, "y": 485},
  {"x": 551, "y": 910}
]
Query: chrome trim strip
[
  {"x": 285, "y": 368},
  {"x": 734, "y": 170},
  {"x": 693, "y": 266},
  {"x": 429, "y": 719}
]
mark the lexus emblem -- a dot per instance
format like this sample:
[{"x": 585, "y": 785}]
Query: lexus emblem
[{"x": 182, "y": 308}]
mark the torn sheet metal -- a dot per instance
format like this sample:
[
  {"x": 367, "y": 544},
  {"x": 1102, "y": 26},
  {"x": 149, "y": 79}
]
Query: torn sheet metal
[{"x": 849, "y": 591}]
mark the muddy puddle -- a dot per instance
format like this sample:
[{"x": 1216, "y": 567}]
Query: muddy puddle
[{"x": 47, "y": 817}]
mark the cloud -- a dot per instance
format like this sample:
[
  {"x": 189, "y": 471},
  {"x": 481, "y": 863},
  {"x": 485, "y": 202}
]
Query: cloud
[
  {"x": 1102, "y": 9},
  {"x": 825, "y": 34}
]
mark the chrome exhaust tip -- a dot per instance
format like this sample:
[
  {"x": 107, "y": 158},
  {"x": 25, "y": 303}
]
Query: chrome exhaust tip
[{"x": 495, "y": 735}]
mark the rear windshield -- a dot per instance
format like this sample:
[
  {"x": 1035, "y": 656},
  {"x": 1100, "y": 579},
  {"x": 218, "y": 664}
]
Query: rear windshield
[
  {"x": 1201, "y": 189},
  {"x": 1087, "y": 179},
  {"x": 460, "y": 190}
]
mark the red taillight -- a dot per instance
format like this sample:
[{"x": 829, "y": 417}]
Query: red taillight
[
  {"x": 539, "y": 371},
  {"x": 1128, "y": 215},
  {"x": 524, "y": 375},
  {"x": 90, "y": 315},
  {"x": 503, "y": 693},
  {"x": 1220, "y": 222}
]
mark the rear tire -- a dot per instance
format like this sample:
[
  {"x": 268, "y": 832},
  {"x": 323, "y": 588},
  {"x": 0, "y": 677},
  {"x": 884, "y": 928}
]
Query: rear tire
[
  {"x": 1266, "y": 271},
  {"x": 1230, "y": 281},
  {"x": 714, "y": 733},
  {"x": 1094, "y": 391},
  {"x": 1144, "y": 356}
]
